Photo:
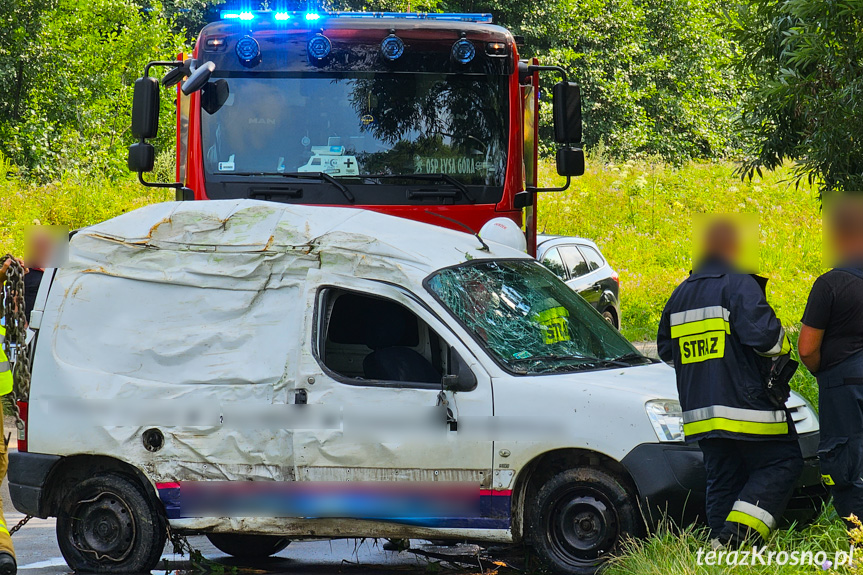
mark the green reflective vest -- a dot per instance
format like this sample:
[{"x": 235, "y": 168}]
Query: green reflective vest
[{"x": 5, "y": 367}]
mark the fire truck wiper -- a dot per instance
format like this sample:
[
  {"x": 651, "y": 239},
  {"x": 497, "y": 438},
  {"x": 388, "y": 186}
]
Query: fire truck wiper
[
  {"x": 323, "y": 176},
  {"x": 454, "y": 182}
]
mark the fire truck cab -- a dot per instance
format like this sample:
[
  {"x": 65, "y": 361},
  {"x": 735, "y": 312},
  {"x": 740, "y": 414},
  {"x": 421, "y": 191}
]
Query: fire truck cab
[{"x": 432, "y": 117}]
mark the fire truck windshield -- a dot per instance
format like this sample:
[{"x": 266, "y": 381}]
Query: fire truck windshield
[{"x": 354, "y": 124}]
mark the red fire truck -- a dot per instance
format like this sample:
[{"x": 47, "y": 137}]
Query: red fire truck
[{"x": 431, "y": 117}]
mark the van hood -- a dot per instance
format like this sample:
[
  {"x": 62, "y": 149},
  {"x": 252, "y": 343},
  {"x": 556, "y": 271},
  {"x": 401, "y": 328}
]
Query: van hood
[{"x": 654, "y": 381}]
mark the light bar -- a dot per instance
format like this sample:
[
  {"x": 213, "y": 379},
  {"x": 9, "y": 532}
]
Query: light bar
[
  {"x": 237, "y": 15},
  {"x": 282, "y": 16}
]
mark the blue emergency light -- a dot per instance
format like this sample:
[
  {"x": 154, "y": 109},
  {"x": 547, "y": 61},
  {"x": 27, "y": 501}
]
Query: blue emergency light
[{"x": 282, "y": 16}]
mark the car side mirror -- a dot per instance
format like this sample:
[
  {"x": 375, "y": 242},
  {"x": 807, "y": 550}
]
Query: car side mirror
[
  {"x": 567, "y": 112},
  {"x": 462, "y": 377}
]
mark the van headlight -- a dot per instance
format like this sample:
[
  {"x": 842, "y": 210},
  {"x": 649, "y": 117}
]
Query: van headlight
[{"x": 667, "y": 419}]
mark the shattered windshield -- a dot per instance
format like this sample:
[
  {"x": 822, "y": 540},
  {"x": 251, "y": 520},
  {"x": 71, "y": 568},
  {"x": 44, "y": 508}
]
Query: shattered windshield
[
  {"x": 529, "y": 320},
  {"x": 358, "y": 124}
]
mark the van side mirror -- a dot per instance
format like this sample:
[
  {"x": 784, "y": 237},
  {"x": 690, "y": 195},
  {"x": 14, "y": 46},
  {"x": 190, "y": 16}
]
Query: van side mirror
[
  {"x": 462, "y": 377},
  {"x": 567, "y": 113}
]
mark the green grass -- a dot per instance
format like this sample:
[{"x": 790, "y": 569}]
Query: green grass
[
  {"x": 69, "y": 202},
  {"x": 640, "y": 214},
  {"x": 672, "y": 552}
]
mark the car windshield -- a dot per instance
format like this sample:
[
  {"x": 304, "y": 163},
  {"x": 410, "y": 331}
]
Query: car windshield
[
  {"x": 355, "y": 124},
  {"x": 529, "y": 320}
]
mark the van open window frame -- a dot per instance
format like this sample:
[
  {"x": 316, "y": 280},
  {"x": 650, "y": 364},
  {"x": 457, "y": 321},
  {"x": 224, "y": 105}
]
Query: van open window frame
[{"x": 318, "y": 333}]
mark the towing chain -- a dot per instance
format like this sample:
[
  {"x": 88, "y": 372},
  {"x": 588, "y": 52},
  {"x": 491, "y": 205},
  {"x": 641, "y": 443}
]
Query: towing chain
[
  {"x": 20, "y": 524},
  {"x": 16, "y": 333}
]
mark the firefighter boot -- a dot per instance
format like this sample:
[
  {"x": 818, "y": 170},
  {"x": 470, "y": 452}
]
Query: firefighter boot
[{"x": 7, "y": 552}]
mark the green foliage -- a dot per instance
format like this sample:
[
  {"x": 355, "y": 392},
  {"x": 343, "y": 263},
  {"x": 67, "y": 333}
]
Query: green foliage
[
  {"x": 640, "y": 214},
  {"x": 654, "y": 73},
  {"x": 71, "y": 201},
  {"x": 68, "y": 108},
  {"x": 803, "y": 101}
]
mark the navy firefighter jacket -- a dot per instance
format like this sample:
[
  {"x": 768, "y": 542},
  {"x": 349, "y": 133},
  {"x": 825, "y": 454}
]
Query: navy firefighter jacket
[{"x": 719, "y": 333}]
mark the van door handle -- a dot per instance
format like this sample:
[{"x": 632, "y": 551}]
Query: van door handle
[{"x": 301, "y": 397}]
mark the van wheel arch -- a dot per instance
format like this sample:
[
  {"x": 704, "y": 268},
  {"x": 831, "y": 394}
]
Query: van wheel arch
[
  {"x": 73, "y": 469},
  {"x": 543, "y": 467}
]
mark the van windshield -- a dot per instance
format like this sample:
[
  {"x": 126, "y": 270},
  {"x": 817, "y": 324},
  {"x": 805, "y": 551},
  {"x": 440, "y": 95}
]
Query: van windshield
[{"x": 529, "y": 320}]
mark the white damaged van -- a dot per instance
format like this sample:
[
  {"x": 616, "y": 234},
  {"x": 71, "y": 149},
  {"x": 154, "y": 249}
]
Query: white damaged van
[{"x": 262, "y": 373}]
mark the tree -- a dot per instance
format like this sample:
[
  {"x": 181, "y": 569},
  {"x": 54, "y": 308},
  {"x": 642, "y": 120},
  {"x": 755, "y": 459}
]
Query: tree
[{"x": 803, "y": 99}]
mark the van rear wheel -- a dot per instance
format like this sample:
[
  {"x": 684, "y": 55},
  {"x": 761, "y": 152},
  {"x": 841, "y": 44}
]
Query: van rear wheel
[
  {"x": 579, "y": 519},
  {"x": 250, "y": 547},
  {"x": 107, "y": 524}
]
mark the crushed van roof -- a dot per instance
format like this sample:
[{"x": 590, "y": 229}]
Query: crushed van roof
[{"x": 234, "y": 238}]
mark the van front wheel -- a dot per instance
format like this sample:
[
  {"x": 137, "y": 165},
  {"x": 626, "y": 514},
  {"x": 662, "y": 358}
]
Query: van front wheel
[
  {"x": 107, "y": 524},
  {"x": 579, "y": 518}
]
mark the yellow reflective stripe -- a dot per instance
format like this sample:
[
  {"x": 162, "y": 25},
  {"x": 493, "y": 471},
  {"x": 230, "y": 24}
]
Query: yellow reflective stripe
[
  {"x": 694, "y": 327},
  {"x": 3, "y": 528},
  {"x": 552, "y": 313},
  {"x": 827, "y": 480},
  {"x": 734, "y": 426},
  {"x": 749, "y": 521},
  {"x": 783, "y": 346}
]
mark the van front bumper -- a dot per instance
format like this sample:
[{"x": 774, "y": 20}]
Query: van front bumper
[
  {"x": 28, "y": 478},
  {"x": 671, "y": 482}
]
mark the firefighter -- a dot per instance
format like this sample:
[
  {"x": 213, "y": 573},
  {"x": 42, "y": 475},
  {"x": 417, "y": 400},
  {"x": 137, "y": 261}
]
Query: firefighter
[
  {"x": 831, "y": 346},
  {"x": 719, "y": 334},
  {"x": 7, "y": 552}
]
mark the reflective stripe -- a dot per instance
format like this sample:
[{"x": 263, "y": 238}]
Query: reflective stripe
[
  {"x": 749, "y": 521},
  {"x": 691, "y": 315},
  {"x": 782, "y": 346},
  {"x": 701, "y": 326},
  {"x": 732, "y": 426},
  {"x": 756, "y": 512},
  {"x": 5, "y": 366},
  {"x": 725, "y": 412},
  {"x": 3, "y": 528}
]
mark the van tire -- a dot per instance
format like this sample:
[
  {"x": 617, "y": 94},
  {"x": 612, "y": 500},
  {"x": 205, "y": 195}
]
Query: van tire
[
  {"x": 578, "y": 519},
  {"x": 108, "y": 524},
  {"x": 248, "y": 547}
]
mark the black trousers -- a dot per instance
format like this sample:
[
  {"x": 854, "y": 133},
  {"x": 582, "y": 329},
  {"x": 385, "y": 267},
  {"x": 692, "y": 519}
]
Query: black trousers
[{"x": 748, "y": 484}]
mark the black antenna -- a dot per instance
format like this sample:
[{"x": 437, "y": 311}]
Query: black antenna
[{"x": 463, "y": 225}]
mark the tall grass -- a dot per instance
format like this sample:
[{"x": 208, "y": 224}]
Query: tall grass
[{"x": 69, "y": 202}]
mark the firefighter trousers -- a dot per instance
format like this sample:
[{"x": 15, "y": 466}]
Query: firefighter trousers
[
  {"x": 5, "y": 538},
  {"x": 748, "y": 485}
]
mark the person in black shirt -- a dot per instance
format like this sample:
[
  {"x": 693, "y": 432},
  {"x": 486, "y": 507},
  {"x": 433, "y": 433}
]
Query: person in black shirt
[{"x": 831, "y": 346}]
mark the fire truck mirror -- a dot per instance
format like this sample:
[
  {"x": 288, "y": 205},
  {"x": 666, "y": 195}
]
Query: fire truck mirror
[
  {"x": 567, "y": 112},
  {"x": 198, "y": 78},
  {"x": 570, "y": 161},
  {"x": 145, "y": 108},
  {"x": 141, "y": 157}
]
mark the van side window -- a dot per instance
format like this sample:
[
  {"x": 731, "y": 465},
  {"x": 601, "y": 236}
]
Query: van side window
[{"x": 366, "y": 337}]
